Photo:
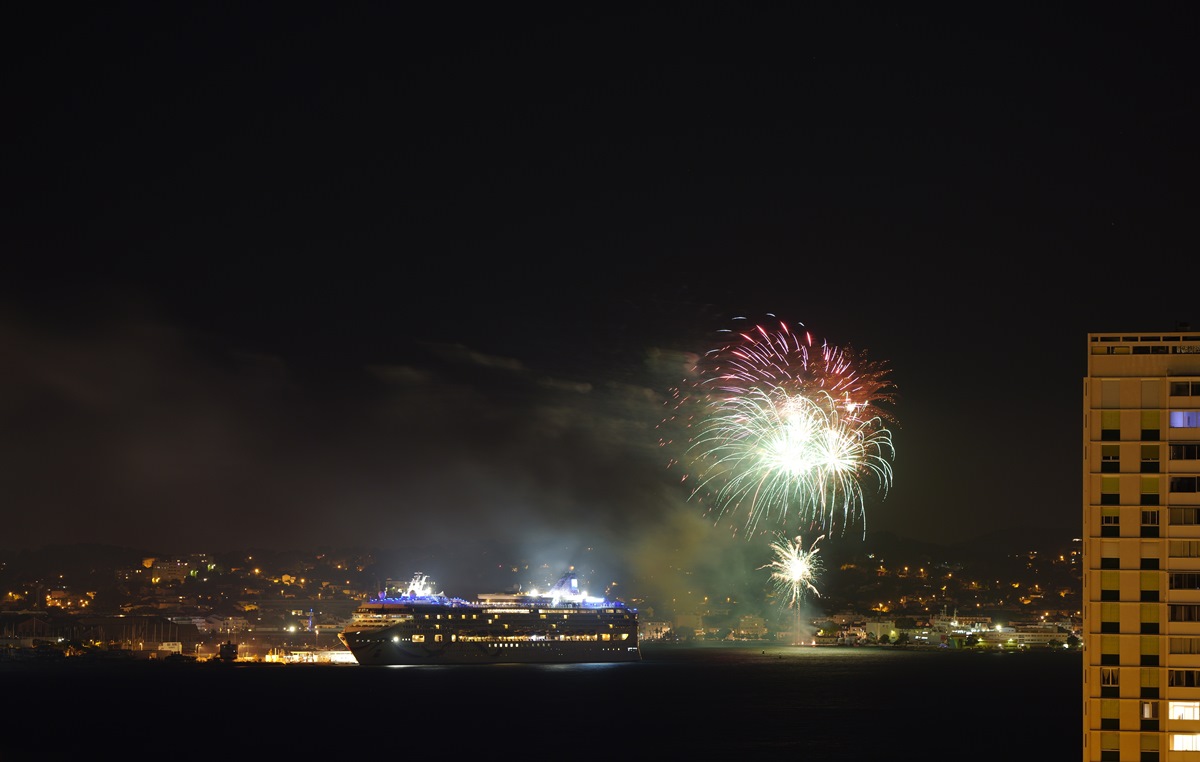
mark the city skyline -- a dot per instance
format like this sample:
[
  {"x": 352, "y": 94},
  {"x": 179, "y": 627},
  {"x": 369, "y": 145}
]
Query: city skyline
[{"x": 380, "y": 280}]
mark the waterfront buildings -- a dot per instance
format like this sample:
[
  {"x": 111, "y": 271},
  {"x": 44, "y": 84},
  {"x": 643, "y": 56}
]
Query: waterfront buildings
[{"x": 1141, "y": 525}]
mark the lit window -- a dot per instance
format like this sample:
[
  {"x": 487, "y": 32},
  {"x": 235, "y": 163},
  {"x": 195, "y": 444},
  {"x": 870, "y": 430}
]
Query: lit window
[
  {"x": 1184, "y": 710},
  {"x": 1185, "y": 742},
  {"x": 1185, "y": 419}
]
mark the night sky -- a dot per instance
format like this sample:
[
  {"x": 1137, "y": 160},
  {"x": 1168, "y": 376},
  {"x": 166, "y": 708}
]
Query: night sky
[{"x": 323, "y": 276}]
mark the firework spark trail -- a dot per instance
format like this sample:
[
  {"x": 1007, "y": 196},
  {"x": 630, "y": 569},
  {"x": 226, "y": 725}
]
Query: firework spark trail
[
  {"x": 786, "y": 424},
  {"x": 795, "y": 569},
  {"x": 786, "y": 359}
]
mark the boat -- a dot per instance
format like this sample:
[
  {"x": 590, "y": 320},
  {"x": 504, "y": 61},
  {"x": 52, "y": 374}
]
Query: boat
[{"x": 562, "y": 626}]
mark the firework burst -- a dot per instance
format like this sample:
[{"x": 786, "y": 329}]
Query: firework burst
[
  {"x": 798, "y": 363},
  {"x": 788, "y": 425},
  {"x": 795, "y": 569},
  {"x": 773, "y": 451}
]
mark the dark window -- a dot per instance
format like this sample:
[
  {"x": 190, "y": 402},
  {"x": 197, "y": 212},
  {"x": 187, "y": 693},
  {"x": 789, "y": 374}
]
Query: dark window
[
  {"x": 1182, "y": 484},
  {"x": 1111, "y": 531},
  {"x": 1149, "y": 693},
  {"x": 1151, "y": 725},
  {"x": 1110, "y": 724},
  {"x": 1184, "y": 612},
  {"x": 1110, "y": 467},
  {"x": 1148, "y": 531},
  {"x": 1149, "y": 628},
  {"x": 1111, "y": 498},
  {"x": 1149, "y": 466},
  {"x": 1185, "y": 516},
  {"x": 1110, "y": 628},
  {"x": 1149, "y": 660},
  {"x": 1184, "y": 580},
  {"x": 1149, "y": 596},
  {"x": 1149, "y": 756},
  {"x": 1110, "y": 435},
  {"x": 1110, "y": 595},
  {"x": 1113, "y": 691},
  {"x": 1110, "y": 660},
  {"x": 1185, "y": 451},
  {"x": 1183, "y": 678},
  {"x": 1149, "y": 435},
  {"x": 1110, "y": 563},
  {"x": 1147, "y": 563},
  {"x": 1150, "y": 498}
]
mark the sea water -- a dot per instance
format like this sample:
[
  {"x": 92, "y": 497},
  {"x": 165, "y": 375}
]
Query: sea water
[{"x": 680, "y": 701}]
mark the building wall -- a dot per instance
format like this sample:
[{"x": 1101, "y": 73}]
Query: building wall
[{"x": 1141, "y": 529}]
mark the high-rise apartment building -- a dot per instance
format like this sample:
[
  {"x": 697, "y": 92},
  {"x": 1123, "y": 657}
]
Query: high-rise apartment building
[{"x": 1141, "y": 526}]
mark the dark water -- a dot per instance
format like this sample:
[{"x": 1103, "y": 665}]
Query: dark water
[{"x": 778, "y": 702}]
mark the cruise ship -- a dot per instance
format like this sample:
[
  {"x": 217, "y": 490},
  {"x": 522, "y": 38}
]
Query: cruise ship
[{"x": 562, "y": 626}]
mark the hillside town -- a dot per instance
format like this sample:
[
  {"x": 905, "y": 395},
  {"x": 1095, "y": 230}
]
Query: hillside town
[{"x": 103, "y": 602}]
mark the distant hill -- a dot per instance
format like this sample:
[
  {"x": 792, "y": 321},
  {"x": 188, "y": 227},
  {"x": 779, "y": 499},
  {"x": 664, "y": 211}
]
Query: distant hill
[
  {"x": 82, "y": 560},
  {"x": 984, "y": 549}
]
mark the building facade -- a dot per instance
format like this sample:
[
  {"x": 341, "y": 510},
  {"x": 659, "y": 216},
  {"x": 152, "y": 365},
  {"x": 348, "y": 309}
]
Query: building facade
[{"x": 1141, "y": 529}]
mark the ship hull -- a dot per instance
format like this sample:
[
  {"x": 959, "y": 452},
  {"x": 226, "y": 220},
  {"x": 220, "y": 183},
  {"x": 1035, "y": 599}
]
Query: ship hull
[{"x": 373, "y": 650}]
